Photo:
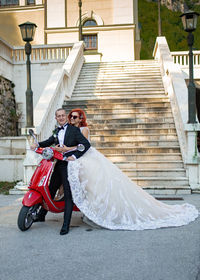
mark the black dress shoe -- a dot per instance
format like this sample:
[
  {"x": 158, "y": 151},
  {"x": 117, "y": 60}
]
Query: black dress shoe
[{"x": 64, "y": 230}]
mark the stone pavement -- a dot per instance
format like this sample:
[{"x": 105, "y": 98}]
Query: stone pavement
[{"x": 96, "y": 254}]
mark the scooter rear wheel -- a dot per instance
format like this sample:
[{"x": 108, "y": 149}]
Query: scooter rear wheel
[{"x": 26, "y": 217}]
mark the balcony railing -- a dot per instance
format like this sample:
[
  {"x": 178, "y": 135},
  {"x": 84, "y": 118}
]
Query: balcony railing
[
  {"x": 182, "y": 58},
  {"x": 42, "y": 53}
]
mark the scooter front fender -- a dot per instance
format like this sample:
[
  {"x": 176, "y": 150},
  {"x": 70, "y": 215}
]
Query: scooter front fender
[{"x": 31, "y": 198}]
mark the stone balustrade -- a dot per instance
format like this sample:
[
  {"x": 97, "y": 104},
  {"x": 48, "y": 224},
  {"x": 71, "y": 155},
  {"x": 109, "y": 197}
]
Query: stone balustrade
[
  {"x": 182, "y": 58},
  {"x": 173, "y": 65},
  {"x": 42, "y": 53}
]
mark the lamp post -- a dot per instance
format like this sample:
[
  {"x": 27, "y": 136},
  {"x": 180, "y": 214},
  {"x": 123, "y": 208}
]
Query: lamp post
[
  {"x": 159, "y": 20},
  {"x": 80, "y": 23},
  {"x": 28, "y": 32},
  {"x": 189, "y": 20}
]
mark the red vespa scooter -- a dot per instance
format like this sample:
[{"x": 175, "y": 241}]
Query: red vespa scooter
[{"x": 38, "y": 195}]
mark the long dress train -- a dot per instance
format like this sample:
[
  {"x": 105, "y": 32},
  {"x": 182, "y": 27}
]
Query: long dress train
[{"x": 110, "y": 199}]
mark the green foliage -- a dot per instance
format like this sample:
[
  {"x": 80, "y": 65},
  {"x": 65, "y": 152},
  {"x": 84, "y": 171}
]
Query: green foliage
[
  {"x": 172, "y": 28},
  {"x": 6, "y": 186}
]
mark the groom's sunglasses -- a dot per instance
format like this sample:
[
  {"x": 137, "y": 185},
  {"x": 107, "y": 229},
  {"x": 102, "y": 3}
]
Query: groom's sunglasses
[{"x": 74, "y": 117}]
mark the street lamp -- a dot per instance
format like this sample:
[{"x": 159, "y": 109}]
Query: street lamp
[
  {"x": 159, "y": 20},
  {"x": 189, "y": 20},
  {"x": 28, "y": 32},
  {"x": 80, "y": 20}
]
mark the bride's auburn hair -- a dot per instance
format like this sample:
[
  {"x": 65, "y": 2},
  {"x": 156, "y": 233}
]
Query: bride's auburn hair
[{"x": 82, "y": 116}]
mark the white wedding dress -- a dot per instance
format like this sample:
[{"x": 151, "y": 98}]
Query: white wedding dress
[{"x": 110, "y": 199}]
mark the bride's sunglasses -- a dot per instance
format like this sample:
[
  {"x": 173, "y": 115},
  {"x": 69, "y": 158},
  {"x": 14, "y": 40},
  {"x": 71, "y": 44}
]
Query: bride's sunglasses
[{"x": 74, "y": 117}]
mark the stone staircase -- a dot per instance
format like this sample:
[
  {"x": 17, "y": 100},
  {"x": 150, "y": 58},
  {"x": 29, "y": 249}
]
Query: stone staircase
[{"x": 131, "y": 122}]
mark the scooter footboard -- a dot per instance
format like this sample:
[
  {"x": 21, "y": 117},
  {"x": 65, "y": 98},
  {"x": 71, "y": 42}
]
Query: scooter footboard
[{"x": 31, "y": 198}]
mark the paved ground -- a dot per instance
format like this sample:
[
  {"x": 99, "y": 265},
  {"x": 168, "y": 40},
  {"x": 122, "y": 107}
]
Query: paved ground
[{"x": 41, "y": 253}]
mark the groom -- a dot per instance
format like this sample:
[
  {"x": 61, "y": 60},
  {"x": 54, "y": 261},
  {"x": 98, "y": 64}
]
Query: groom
[{"x": 69, "y": 136}]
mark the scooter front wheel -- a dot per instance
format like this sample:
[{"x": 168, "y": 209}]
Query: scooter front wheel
[{"x": 26, "y": 217}]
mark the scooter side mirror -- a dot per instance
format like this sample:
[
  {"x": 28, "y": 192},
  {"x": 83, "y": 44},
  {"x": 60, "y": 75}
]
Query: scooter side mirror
[
  {"x": 31, "y": 132},
  {"x": 80, "y": 147}
]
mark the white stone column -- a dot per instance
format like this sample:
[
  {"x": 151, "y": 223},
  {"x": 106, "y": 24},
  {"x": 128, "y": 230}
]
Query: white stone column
[
  {"x": 22, "y": 2},
  {"x": 30, "y": 163},
  {"x": 38, "y": 2},
  {"x": 193, "y": 156}
]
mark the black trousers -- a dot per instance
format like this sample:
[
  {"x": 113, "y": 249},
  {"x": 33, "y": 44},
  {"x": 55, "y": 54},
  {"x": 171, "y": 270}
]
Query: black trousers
[{"x": 59, "y": 177}]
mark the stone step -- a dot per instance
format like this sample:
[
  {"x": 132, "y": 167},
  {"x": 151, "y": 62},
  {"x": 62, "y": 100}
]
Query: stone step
[
  {"x": 121, "y": 69},
  {"x": 139, "y": 150},
  {"x": 168, "y": 181},
  {"x": 126, "y": 125},
  {"x": 134, "y": 110},
  {"x": 111, "y": 73},
  {"x": 121, "y": 78},
  {"x": 133, "y": 120},
  {"x": 122, "y": 65},
  {"x": 116, "y": 91},
  {"x": 130, "y": 131},
  {"x": 132, "y": 115},
  {"x": 151, "y": 164},
  {"x": 92, "y": 97},
  {"x": 123, "y": 81},
  {"x": 173, "y": 173},
  {"x": 164, "y": 190},
  {"x": 126, "y": 62},
  {"x": 118, "y": 103},
  {"x": 135, "y": 99},
  {"x": 147, "y": 144},
  {"x": 119, "y": 86},
  {"x": 139, "y": 138},
  {"x": 119, "y": 157}
]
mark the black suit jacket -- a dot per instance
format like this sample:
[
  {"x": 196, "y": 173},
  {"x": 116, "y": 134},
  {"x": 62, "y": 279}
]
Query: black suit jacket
[{"x": 73, "y": 137}]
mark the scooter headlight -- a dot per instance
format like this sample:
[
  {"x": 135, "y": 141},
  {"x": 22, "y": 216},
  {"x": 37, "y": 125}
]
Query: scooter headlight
[{"x": 47, "y": 153}]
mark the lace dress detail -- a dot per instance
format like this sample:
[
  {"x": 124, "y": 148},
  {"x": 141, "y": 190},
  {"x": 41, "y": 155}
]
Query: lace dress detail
[{"x": 111, "y": 200}]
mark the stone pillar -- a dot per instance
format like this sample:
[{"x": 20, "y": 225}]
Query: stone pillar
[
  {"x": 30, "y": 163},
  {"x": 193, "y": 156}
]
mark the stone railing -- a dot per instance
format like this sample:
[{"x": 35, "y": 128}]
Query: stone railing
[
  {"x": 59, "y": 86},
  {"x": 182, "y": 58},
  {"x": 42, "y": 53},
  {"x": 175, "y": 87}
]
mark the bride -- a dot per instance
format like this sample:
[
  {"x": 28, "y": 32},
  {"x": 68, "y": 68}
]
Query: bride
[{"x": 110, "y": 199}]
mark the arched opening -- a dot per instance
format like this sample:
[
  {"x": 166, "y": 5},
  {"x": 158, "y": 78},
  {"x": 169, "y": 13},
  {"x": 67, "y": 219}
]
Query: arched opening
[
  {"x": 90, "y": 40},
  {"x": 89, "y": 22}
]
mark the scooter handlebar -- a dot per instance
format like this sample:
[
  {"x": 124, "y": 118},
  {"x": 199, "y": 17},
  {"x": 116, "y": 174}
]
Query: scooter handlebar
[{"x": 49, "y": 152}]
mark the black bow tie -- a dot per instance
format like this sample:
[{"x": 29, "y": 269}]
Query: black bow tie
[{"x": 61, "y": 127}]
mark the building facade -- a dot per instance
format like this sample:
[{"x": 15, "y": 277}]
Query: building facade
[{"x": 110, "y": 27}]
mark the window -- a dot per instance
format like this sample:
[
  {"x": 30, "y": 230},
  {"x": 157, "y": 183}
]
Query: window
[
  {"x": 30, "y": 2},
  {"x": 90, "y": 22},
  {"x": 9, "y": 3},
  {"x": 90, "y": 41}
]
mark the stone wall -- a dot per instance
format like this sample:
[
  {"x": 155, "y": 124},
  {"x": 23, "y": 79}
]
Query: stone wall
[{"x": 8, "y": 114}]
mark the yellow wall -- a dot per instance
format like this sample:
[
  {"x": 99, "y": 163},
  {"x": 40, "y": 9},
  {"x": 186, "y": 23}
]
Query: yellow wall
[
  {"x": 62, "y": 18},
  {"x": 9, "y": 21},
  {"x": 101, "y": 7}
]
